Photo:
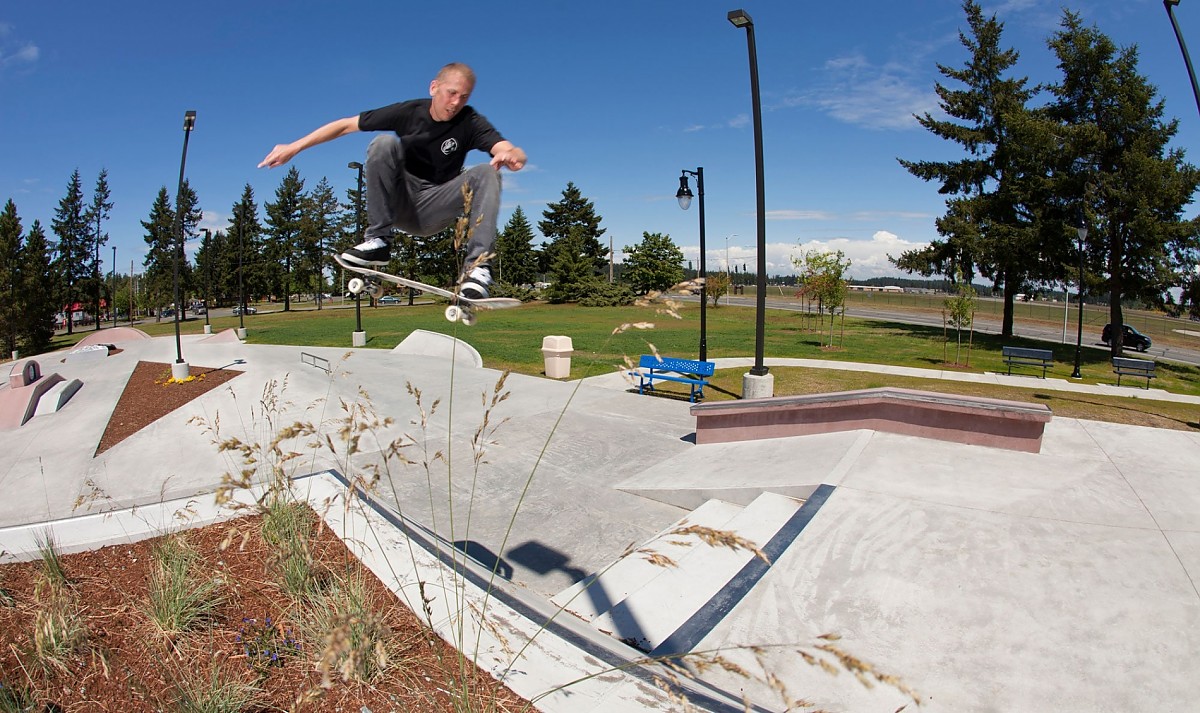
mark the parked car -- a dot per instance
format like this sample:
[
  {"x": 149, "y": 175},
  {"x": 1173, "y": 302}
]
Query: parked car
[
  {"x": 237, "y": 310},
  {"x": 1132, "y": 339},
  {"x": 389, "y": 300}
]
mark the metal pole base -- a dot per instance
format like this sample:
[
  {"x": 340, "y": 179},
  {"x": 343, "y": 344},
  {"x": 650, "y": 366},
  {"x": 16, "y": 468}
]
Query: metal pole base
[{"x": 360, "y": 339}]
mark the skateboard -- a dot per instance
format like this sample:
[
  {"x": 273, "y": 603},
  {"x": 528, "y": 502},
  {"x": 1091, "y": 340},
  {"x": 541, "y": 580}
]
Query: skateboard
[{"x": 461, "y": 309}]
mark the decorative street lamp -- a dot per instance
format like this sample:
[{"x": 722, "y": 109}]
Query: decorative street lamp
[
  {"x": 684, "y": 196},
  {"x": 207, "y": 279},
  {"x": 1187, "y": 60},
  {"x": 1082, "y": 231},
  {"x": 241, "y": 284},
  {"x": 180, "y": 370},
  {"x": 360, "y": 337},
  {"x": 740, "y": 18}
]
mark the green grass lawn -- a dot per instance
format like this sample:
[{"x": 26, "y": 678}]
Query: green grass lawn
[{"x": 512, "y": 339}]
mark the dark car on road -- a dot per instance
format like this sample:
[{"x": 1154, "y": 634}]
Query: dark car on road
[{"x": 1133, "y": 338}]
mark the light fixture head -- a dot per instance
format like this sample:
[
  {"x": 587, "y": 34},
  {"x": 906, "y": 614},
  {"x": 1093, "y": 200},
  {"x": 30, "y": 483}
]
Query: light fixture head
[
  {"x": 355, "y": 165},
  {"x": 684, "y": 195},
  {"x": 740, "y": 18},
  {"x": 189, "y": 120},
  {"x": 1083, "y": 231}
]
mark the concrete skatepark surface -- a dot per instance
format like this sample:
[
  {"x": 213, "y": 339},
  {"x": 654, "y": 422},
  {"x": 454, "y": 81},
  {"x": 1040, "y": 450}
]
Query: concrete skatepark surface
[{"x": 986, "y": 579}]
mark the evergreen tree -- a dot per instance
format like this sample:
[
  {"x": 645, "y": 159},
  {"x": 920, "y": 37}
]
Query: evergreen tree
[
  {"x": 36, "y": 326},
  {"x": 98, "y": 212},
  {"x": 653, "y": 264},
  {"x": 572, "y": 274},
  {"x": 158, "y": 276},
  {"x": 573, "y": 217},
  {"x": 517, "y": 261},
  {"x": 1116, "y": 164},
  {"x": 318, "y": 233},
  {"x": 10, "y": 274},
  {"x": 992, "y": 220},
  {"x": 246, "y": 249},
  {"x": 70, "y": 264},
  {"x": 283, "y": 244}
]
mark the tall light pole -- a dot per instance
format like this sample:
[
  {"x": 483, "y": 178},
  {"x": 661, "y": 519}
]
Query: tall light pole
[
  {"x": 1187, "y": 60},
  {"x": 189, "y": 122},
  {"x": 684, "y": 196},
  {"x": 358, "y": 227},
  {"x": 740, "y": 18},
  {"x": 112, "y": 299},
  {"x": 1082, "y": 232},
  {"x": 207, "y": 278},
  {"x": 241, "y": 283}
]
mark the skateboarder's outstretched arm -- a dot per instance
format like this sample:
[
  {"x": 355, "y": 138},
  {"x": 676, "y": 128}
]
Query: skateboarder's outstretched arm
[{"x": 282, "y": 153}]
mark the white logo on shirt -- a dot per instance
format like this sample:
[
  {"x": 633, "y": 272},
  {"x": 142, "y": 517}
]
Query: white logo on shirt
[{"x": 449, "y": 146}]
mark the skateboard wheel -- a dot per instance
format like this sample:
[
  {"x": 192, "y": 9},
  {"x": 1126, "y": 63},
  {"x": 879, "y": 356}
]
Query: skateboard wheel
[
  {"x": 468, "y": 317},
  {"x": 355, "y": 285},
  {"x": 375, "y": 289},
  {"x": 454, "y": 313}
]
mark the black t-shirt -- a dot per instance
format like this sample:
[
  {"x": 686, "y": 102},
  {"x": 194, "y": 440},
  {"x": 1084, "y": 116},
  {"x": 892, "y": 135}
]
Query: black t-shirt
[{"x": 433, "y": 150}]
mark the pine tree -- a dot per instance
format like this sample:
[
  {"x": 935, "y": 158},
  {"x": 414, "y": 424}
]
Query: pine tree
[
  {"x": 1118, "y": 167},
  {"x": 318, "y": 232},
  {"x": 517, "y": 262},
  {"x": 573, "y": 217},
  {"x": 653, "y": 264},
  {"x": 572, "y": 274},
  {"x": 283, "y": 245},
  {"x": 158, "y": 278},
  {"x": 98, "y": 212},
  {"x": 70, "y": 264},
  {"x": 36, "y": 325},
  {"x": 10, "y": 277},
  {"x": 245, "y": 252},
  {"x": 992, "y": 221}
]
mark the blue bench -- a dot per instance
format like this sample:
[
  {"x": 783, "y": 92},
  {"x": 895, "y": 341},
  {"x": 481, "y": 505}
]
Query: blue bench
[
  {"x": 685, "y": 371},
  {"x": 1133, "y": 367},
  {"x": 1024, "y": 356}
]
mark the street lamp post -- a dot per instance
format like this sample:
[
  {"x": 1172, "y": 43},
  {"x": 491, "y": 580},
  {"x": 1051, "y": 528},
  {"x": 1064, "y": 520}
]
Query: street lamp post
[
  {"x": 360, "y": 337},
  {"x": 1187, "y": 60},
  {"x": 207, "y": 279},
  {"x": 112, "y": 298},
  {"x": 740, "y": 18},
  {"x": 684, "y": 196},
  {"x": 180, "y": 370},
  {"x": 241, "y": 284},
  {"x": 1082, "y": 231}
]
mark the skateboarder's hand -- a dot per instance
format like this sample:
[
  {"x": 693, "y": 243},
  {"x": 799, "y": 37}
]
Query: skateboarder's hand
[
  {"x": 279, "y": 155},
  {"x": 510, "y": 157}
]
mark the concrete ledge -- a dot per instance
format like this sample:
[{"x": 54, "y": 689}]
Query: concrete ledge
[
  {"x": 974, "y": 420},
  {"x": 57, "y": 396}
]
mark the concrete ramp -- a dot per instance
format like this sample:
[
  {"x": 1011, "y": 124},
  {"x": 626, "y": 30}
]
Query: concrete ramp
[
  {"x": 114, "y": 335},
  {"x": 425, "y": 343},
  {"x": 18, "y": 402}
]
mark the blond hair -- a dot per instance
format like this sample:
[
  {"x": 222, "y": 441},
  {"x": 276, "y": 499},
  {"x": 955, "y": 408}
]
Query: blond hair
[{"x": 456, "y": 67}]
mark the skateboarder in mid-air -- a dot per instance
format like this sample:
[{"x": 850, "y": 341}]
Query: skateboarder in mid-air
[{"x": 414, "y": 176}]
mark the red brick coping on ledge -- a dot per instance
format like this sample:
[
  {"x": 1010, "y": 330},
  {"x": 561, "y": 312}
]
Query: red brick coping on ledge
[{"x": 1014, "y": 425}]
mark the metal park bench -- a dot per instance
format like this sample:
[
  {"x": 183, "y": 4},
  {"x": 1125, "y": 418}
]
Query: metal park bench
[
  {"x": 1133, "y": 367},
  {"x": 1024, "y": 356},
  {"x": 685, "y": 371}
]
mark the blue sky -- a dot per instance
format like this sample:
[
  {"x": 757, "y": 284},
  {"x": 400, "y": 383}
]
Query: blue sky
[{"x": 617, "y": 97}]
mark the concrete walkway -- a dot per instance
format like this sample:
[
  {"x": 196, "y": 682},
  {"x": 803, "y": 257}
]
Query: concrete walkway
[{"x": 987, "y": 580}]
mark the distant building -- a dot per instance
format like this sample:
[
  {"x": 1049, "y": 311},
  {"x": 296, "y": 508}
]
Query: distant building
[{"x": 876, "y": 288}]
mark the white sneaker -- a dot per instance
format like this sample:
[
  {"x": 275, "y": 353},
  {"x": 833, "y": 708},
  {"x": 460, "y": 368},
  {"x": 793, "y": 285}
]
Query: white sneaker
[{"x": 475, "y": 284}]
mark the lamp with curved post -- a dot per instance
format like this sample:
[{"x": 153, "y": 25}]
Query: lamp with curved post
[
  {"x": 180, "y": 370},
  {"x": 755, "y": 384},
  {"x": 684, "y": 196}
]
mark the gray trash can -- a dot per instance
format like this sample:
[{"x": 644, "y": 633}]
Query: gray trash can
[{"x": 557, "y": 352}]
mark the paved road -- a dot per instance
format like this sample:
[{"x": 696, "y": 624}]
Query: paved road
[{"x": 1183, "y": 355}]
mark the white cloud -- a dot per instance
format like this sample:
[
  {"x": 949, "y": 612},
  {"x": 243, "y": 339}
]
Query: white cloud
[
  {"x": 852, "y": 89},
  {"x": 15, "y": 52},
  {"x": 869, "y": 258},
  {"x": 799, "y": 215}
]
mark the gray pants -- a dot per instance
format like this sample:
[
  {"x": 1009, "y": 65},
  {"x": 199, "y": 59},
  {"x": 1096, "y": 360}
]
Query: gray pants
[{"x": 397, "y": 199}]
